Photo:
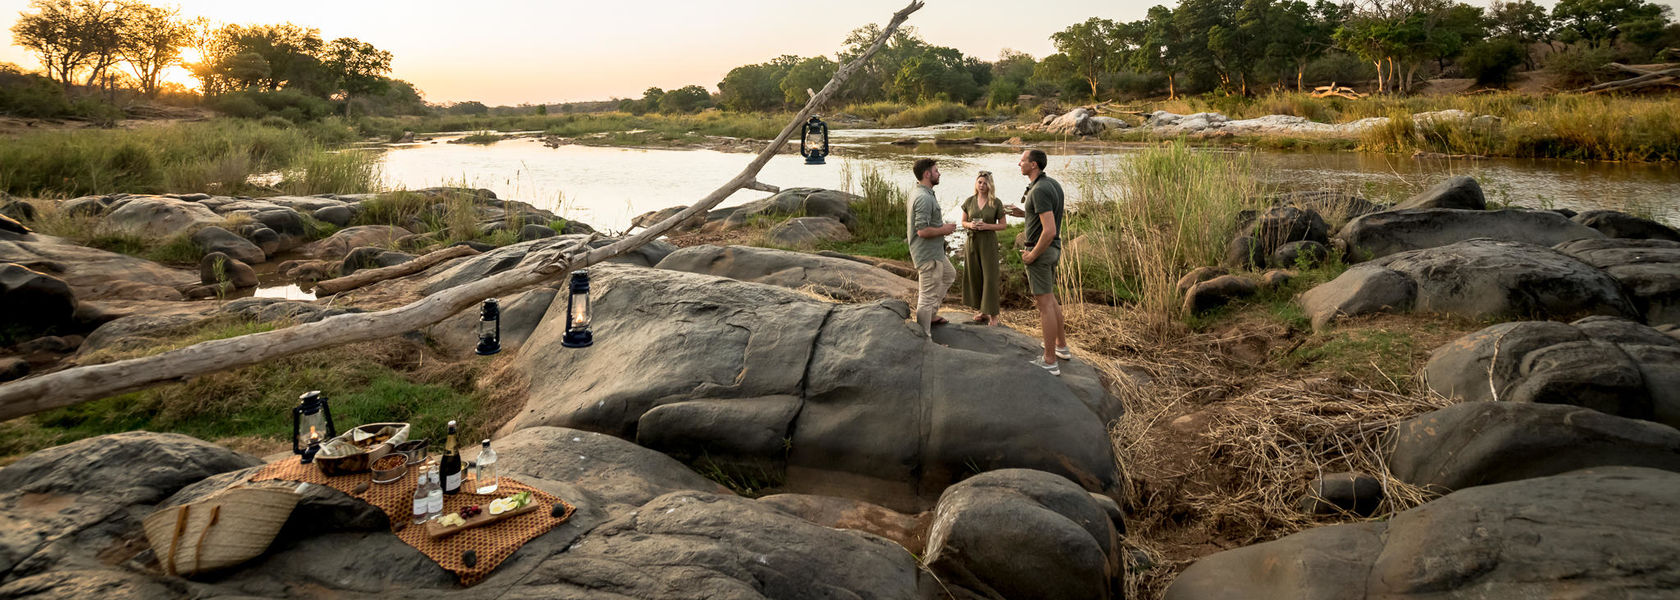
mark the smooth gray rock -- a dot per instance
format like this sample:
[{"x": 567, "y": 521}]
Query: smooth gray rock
[
  {"x": 94, "y": 274},
  {"x": 215, "y": 240},
  {"x": 1599, "y": 533},
  {"x": 1217, "y": 292},
  {"x": 616, "y": 471},
  {"x": 496, "y": 260},
  {"x": 16, "y": 209},
  {"x": 1198, "y": 275},
  {"x": 141, "y": 467},
  {"x": 160, "y": 217},
  {"x": 1649, "y": 271},
  {"x": 520, "y": 314},
  {"x": 371, "y": 258},
  {"x": 1381, "y": 234},
  {"x": 536, "y": 232},
  {"x": 792, "y": 202},
  {"x": 1017, "y": 533},
  {"x": 1604, "y": 363},
  {"x": 886, "y": 417},
  {"x": 336, "y": 215},
  {"x": 694, "y": 545},
  {"x": 339, "y": 244},
  {"x": 34, "y": 301},
  {"x": 85, "y": 205},
  {"x": 1475, "y": 279},
  {"x": 909, "y": 531},
  {"x": 304, "y": 203},
  {"x": 843, "y": 280},
  {"x": 216, "y": 268},
  {"x": 13, "y": 368},
  {"x": 1304, "y": 253},
  {"x": 1333, "y": 207},
  {"x": 1334, "y": 493},
  {"x": 266, "y": 239},
  {"x": 809, "y": 232},
  {"x": 1616, "y": 224},
  {"x": 1481, "y": 443},
  {"x": 136, "y": 331},
  {"x": 1458, "y": 193}
]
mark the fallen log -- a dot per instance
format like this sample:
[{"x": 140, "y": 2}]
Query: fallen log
[
  {"x": 370, "y": 276},
  {"x": 81, "y": 384},
  {"x": 1646, "y": 78}
]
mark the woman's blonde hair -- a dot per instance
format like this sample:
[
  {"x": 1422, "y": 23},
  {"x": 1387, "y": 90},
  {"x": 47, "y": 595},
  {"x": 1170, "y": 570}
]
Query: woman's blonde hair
[{"x": 991, "y": 186}]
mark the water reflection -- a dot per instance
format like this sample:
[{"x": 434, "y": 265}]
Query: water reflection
[{"x": 607, "y": 187}]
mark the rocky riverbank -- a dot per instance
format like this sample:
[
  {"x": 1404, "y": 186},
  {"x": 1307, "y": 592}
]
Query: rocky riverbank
[{"x": 843, "y": 455}]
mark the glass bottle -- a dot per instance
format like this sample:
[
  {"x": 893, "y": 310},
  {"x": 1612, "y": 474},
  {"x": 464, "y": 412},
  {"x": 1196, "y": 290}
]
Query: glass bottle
[
  {"x": 422, "y": 503},
  {"x": 451, "y": 463},
  {"x": 434, "y": 496},
  {"x": 485, "y": 473}
]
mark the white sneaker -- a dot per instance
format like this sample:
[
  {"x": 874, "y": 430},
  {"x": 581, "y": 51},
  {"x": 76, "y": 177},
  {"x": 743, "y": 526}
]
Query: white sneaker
[
  {"x": 1062, "y": 352},
  {"x": 1054, "y": 368}
]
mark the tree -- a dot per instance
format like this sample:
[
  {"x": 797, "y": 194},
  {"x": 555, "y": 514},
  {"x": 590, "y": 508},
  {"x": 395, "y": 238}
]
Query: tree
[
  {"x": 685, "y": 99},
  {"x": 1159, "y": 47},
  {"x": 756, "y": 87},
  {"x": 809, "y": 74},
  {"x": 1522, "y": 21},
  {"x": 70, "y": 36},
  {"x": 1602, "y": 22},
  {"x": 356, "y": 67},
  {"x": 1491, "y": 62},
  {"x": 152, "y": 41},
  {"x": 1089, "y": 48}
]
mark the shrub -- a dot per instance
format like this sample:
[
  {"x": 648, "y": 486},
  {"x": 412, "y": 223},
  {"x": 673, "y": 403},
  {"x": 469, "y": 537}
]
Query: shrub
[
  {"x": 929, "y": 114},
  {"x": 1578, "y": 66},
  {"x": 1493, "y": 62}
]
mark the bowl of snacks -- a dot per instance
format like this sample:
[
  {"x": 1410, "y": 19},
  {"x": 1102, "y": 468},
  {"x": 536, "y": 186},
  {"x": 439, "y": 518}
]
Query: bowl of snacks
[{"x": 389, "y": 468}]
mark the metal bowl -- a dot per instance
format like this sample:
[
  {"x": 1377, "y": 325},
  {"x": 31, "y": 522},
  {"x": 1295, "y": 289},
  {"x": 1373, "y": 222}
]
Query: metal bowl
[
  {"x": 415, "y": 450},
  {"x": 392, "y": 474}
]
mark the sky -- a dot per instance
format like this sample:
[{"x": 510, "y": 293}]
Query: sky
[{"x": 504, "y": 52}]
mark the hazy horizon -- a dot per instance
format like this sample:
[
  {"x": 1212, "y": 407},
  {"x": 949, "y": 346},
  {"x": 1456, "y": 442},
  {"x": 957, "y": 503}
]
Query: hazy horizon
[{"x": 526, "y": 52}]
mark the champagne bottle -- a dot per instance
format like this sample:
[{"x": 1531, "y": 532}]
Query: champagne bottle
[{"x": 451, "y": 464}]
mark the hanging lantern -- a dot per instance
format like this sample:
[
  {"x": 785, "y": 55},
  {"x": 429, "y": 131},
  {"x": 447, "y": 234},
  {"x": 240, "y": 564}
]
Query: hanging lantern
[
  {"x": 814, "y": 142},
  {"x": 489, "y": 328},
  {"x": 312, "y": 424},
  {"x": 577, "y": 313}
]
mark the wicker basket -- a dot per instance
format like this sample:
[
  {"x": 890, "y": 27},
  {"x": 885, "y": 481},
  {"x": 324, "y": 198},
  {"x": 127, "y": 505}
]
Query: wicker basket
[{"x": 221, "y": 530}]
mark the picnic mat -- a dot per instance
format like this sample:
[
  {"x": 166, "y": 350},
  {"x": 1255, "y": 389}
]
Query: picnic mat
[{"x": 493, "y": 543}]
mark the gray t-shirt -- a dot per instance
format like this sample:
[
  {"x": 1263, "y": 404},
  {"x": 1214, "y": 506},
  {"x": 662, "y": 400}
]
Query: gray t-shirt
[
  {"x": 924, "y": 213},
  {"x": 1043, "y": 195}
]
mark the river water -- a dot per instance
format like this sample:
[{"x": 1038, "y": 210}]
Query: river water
[{"x": 607, "y": 187}]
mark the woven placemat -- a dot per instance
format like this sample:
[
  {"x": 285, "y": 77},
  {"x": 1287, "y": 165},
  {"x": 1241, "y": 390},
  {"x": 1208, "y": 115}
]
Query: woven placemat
[{"x": 493, "y": 543}]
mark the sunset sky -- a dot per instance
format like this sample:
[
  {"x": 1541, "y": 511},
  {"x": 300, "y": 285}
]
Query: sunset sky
[{"x": 529, "y": 51}]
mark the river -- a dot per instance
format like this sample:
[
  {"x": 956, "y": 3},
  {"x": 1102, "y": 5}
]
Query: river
[{"x": 607, "y": 187}]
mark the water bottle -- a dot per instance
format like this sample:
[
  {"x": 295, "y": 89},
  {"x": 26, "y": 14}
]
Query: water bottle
[
  {"x": 422, "y": 503},
  {"x": 434, "y": 497},
  {"x": 485, "y": 472}
]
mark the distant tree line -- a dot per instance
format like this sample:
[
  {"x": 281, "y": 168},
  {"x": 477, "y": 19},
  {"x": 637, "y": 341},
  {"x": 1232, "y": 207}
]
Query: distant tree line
[{"x": 280, "y": 68}]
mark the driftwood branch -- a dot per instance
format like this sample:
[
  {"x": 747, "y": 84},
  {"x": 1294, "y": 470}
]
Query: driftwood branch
[
  {"x": 371, "y": 276},
  {"x": 1642, "y": 78},
  {"x": 81, "y": 384}
]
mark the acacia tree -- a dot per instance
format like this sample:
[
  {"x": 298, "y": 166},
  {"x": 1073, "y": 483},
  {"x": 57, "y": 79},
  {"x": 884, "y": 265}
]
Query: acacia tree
[
  {"x": 152, "y": 41},
  {"x": 70, "y": 36},
  {"x": 1159, "y": 47},
  {"x": 357, "y": 67},
  {"x": 808, "y": 75},
  {"x": 1090, "y": 48}
]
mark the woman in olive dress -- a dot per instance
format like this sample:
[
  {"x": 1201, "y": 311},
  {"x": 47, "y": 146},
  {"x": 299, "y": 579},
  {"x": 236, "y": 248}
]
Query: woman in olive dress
[{"x": 983, "y": 218}]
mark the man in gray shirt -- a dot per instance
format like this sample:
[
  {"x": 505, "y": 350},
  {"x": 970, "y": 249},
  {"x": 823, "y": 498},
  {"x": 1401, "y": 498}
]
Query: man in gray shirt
[{"x": 926, "y": 233}]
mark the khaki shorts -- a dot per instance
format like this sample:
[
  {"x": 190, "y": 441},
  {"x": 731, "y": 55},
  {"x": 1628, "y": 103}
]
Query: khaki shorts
[{"x": 1041, "y": 274}]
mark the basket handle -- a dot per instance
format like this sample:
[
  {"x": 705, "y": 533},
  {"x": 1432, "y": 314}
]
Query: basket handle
[
  {"x": 175, "y": 540},
  {"x": 198, "y": 549}
]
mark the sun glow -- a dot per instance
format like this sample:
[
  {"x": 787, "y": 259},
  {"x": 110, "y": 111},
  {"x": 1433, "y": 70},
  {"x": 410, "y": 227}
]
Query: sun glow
[{"x": 178, "y": 73}]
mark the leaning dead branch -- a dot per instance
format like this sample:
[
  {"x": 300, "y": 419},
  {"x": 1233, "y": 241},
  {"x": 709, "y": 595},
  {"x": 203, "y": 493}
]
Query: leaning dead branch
[
  {"x": 82, "y": 384},
  {"x": 368, "y": 277},
  {"x": 1643, "y": 78}
]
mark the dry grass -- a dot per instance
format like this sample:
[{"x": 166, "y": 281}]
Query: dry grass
[{"x": 1222, "y": 442}]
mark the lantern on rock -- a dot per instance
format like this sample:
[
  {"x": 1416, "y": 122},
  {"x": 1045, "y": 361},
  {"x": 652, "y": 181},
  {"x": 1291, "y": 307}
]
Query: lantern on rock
[
  {"x": 312, "y": 424},
  {"x": 489, "y": 328},
  {"x": 814, "y": 142},
  {"x": 577, "y": 313}
]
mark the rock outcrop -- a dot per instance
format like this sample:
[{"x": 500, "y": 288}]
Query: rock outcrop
[
  {"x": 1648, "y": 269},
  {"x": 1380, "y": 234},
  {"x": 1475, "y": 279},
  {"x": 844, "y": 280},
  {"x": 94, "y": 274},
  {"x": 1571, "y": 535},
  {"x": 1617, "y": 224}
]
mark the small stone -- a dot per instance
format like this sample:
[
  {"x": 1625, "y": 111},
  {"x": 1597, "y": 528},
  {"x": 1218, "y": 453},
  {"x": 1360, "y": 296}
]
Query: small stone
[
  {"x": 361, "y": 488},
  {"x": 469, "y": 558},
  {"x": 558, "y": 511},
  {"x": 1357, "y": 493},
  {"x": 13, "y": 368}
]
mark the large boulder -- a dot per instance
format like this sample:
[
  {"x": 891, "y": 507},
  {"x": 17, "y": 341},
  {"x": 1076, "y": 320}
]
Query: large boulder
[
  {"x": 792, "y": 202},
  {"x": 1334, "y": 207},
  {"x": 1264, "y": 233},
  {"x": 336, "y": 246},
  {"x": 95, "y": 274},
  {"x": 1648, "y": 269},
  {"x": 1076, "y": 122},
  {"x": 497, "y": 260},
  {"x": 880, "y": 414},
  {"x": 909, "y": 531},
  {"x": 305, "y": 203},
  {"x": 615, "y": 471},
  {"x": 694, "y": 545},
  {"x": 1380, "y": 234},
  {"x": 1481, "y": 443},
  {"x": 33, "y": 301},
  {"x": 1600, "y": 533},
  {"x": 1607, "y": 364},
  {"x": 216, "y": 268},
  {"x": 1017, "y": 533},
  {"x": 1475, "y": 279},
  {"x": 1457, "y": 192},
  {"x": 520, "y": 314},
  {"x": 808, "y": 232},
  {"x": 217, "y": 240},
  {"x": 1617, "y": 224},
  {"x": 836, "y": 278},
  {"x": 160, "y": 217},
  {"x": 369, "y": 257}
]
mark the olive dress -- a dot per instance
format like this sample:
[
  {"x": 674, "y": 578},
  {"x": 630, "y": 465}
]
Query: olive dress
[{"x": 980, "y": 257}]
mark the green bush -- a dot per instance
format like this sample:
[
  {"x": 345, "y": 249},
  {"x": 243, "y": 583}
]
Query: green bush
[
  {"x": 1577, "y": 67},
  {"x": 1493, "y": 62},
  {"x": 929, "y": 114},
  {"x": 294, "y": 106}
]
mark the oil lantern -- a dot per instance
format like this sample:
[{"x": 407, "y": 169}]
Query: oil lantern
[
  {"x": 814, "y": 141},
  {"x": 312, "y": 424},
  {"x": 577, "y": 313},
  {"x": 489, "y": 328}
]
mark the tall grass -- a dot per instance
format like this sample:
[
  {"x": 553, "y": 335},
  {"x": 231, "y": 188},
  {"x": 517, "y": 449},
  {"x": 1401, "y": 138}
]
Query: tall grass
[
  {"x": 933, "y": 113},
  {"x": 215, "y": 156},
  {"x": 321, "y": 171},
  {"x": 880, "y": 216},
  {"x": 1147, "y": 221}
]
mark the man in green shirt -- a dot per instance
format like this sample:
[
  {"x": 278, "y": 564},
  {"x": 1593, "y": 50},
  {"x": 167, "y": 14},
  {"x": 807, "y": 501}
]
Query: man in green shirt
[
  {"x": 1044, "y": 209},
  {"x": 926, "y": 231}
]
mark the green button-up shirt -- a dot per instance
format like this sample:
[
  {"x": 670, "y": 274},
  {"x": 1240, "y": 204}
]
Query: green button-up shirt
[{"x": 924, "y": 213}]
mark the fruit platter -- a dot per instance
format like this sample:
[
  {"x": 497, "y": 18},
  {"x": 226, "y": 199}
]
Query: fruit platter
[{"x": 476, "y": 515}]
